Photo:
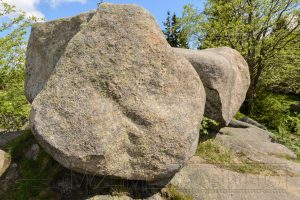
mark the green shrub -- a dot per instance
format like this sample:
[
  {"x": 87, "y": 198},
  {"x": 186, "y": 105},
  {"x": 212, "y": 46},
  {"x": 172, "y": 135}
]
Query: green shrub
[
  {"x": 239, "y": 116},
  {"x": 173, "y": 193},
  {"x": 14, "y": 108},
  {"x": 207, "y": 124},
  {"x": 285, "y": 79},
  {"x": 35, "y": 175},
  {"x": 273, "y": 111}
]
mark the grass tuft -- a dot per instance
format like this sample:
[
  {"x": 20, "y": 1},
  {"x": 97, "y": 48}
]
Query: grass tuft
[
  {"x": 34, "y": 175},
  {"x": 214, "y": 153},
  {"x": 120, "y": 191},
  {"x": 172, "y": 192}
]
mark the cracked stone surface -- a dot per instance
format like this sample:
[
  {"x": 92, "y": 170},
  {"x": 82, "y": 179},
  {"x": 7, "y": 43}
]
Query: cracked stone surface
[
  {"x": 209, "y": 182},
  {"x": 119, "y": 102},
  {"x": 258, "y": 146},
  {"x": 252, "y": 141}
]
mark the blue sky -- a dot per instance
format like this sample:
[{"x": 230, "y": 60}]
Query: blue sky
[{"x": 53, "y": 9}]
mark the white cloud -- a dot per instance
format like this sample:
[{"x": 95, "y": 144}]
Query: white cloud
[
  {"x": 29, "y": 6},
  {"x": 55, "y": 3}
]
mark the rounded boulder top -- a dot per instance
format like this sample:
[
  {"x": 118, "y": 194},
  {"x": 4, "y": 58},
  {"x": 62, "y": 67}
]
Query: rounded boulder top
[{"x": 119, "y": 102}]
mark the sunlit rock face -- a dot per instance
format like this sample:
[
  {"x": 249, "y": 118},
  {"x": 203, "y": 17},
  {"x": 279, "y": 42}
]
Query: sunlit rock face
[
  {"x": 225, "y": 76},
  {"x": 110, "y": 97}
]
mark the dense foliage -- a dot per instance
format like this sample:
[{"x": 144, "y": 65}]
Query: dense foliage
[
  {"x": 14, "y": 108},
  {"x": 265, "y": 32},
  {"x": 207, "y": 124},
  {"x": 274, "y": 111},
  {"x": 283, "y": 75}
]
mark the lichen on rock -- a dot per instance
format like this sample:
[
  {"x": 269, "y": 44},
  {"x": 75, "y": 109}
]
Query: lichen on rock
[{"x": 119, "y": 101}]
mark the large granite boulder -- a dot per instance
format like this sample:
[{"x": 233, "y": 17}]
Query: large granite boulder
[
  {"x": 119, "y": 102},
  {"x": 225, "y": 76}
]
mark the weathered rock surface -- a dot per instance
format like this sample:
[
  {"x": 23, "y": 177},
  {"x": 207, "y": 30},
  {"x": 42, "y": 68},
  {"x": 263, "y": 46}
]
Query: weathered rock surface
[
  {"x": 33, "y": 152},
  {"x": 252, "y": 122},
  {"x": 119, "y": 101},
  {"x": 225, "y": 76},
  {"x": 288, "y": 167},
  {"x": 252, "y": 141},
  {"x": 46, "y": 45},
  {"x": 4, "y": 162},
  {"x": 258, "y": 146},
  {"x": 208, "y": 182}
]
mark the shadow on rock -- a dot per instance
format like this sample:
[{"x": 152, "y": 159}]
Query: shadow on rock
[{"x": 72, "y": 185}]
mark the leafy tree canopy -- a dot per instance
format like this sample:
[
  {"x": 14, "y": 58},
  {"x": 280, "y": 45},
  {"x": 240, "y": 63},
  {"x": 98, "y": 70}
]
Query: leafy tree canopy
[
  {"x": 14, "y": 108},
  {"x": 265, "y": 32}
]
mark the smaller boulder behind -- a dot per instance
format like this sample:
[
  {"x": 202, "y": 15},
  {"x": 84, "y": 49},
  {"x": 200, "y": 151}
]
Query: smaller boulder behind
[
  {"x": 47, "y": 43},
  {"x": 225, "y": 76}
]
